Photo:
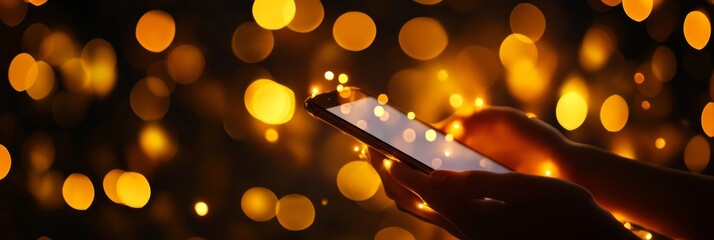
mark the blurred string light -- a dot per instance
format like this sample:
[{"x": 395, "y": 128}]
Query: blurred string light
[
  {"x": 273, "y": 14},
  {"x": 78, "y": 191},
  {"x": 295, "y": 212},
  {"x": 611, "y": 3},
  {"x": 110, "y": 185},
  {"x": 22, "y": 72},
  {"x": 660, "y": 143},
  {"x": 270, "y": 102},
  {"x": 271, "y": 135},
  {"x": 393, "y": 233},
  {"x": 5, "y": 161},
  {"x": 528, "y": 20},
  {"x": 156, "y": 143},
  {"x": 423, "y": 38},
  {"x": 41, "y": 150},
  {"x": 597, "y": 46},
  {"x": 308, "y": 15},
  {"x": 354, "y": 31},
  {"x": 329, "y": 75},
  {"x": 133, "y": 189},
  {"x": 357, "y": 180},
  {"x": 12, "y": 12},
  {"x": 75, "y": 77},
  {"x": 697, "y": 29},
  {"x": 637, "y": 10},
  {"x": 99, "y": 61},
  {"x": 149, "y": 99},
  {"x": 155, "y": 30},
  {"x": 697, "y": 154},
  {"x": 456, "y": 100},
  {"x": 185, "y": 63},
  {"x": 664, "y": 64},
  {"x": 342, "y": 78},
  {"x": 571, "y": 110},
  {"x": 251, "y": 43},
  {"x": 45, "y": 82},
  {"x": 201, "y": 208},
  {"x": 258, "y": 204},
  {"x": 614, "y": 113},
  {"x": 707, "y": 119}
]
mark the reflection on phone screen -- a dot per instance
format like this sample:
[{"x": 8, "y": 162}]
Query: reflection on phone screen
[{"x": 412, "y": 137}]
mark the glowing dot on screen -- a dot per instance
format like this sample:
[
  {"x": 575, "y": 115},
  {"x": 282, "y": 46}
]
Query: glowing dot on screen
[
  {"x": 708, "y": 119},
  {"x": 133, "y": 189},
  {"x": 329, "y": 75},
  {"x": 384, "y": 117},
  {"x": 354, "y": 31},
  {"x": 295, "y": 212},
  {"x": 258, "y": 204},
  {"x": 357, "y": 180},
  {"x": 340, "y": 88},
  {"x": 22, "y": 72},
  {"x": 639, "y": 78},
  {"x": 362, "y": 124},
  {"x": 696, "y": 154},
  {"x": 614, "y": 113},
  {"x": 697, "y": 29},
  {"x": 571, "y": 110},
  {"x": 637, "y": 10},
  {"x": 271, "y": 135},
  {"x": 447, "y": 153},
  {"x": 436, "y": 163},
  {"x": 449, "y": 137},
  {"x": 346, "y": 108},
  {"x": 270, "y": 102},
  {"x": 5, "y": 162},
  {"x": 382, "y": 99},
  {"x": 660, "y": 143},
  {"x": 378, "y": 111},
  {"x": 442, "y": 75},
  {"x": 527, "y": 19},
  {"x": 201, "y": 208},
  {"x": 479, "y": 102},
  {"x": 110, "y": 184},
  {"x": 155, "y": 30},
  {"x": 78, "y": 191},
  {"x": 308, "y": 15},
  {"x": 483, "y": 163},
  {"x": 409, "y": 135},
  {"x": 423, "y": 38},
  {"x": 456, "y": 100},
  {"x": 411, "y": 115},
  {"x": 273, "y": 14},
  {"x": 394, "y": 233},
  {"x": 342, "y": 78},
  {"x": 648, "y": 236},
  {"x": 430, "y": 135},
  {"x": 646, "y": 105}
]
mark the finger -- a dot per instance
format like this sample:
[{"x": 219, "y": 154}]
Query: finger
[{"x": 513, "y": 188}]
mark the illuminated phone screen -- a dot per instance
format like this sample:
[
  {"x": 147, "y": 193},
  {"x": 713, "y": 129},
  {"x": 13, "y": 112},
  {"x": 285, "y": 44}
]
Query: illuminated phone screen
[{"x": 412, "y": 137}]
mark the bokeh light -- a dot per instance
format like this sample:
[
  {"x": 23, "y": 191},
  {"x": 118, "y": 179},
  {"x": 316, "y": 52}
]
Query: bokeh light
[
  {"x": 270, "y": 102},
  {"x": 423, "y": 38},
  {"x": 571, "y": 110},
  {"x": 357, "y": 180},
  {"x": 75, "y": 77},
  {"x": 273, "y": 14},
  {"x": 58, "y": 48},
  {"x": 664, "y": 64},
  {"x": 110, "y": 184},
  {"x": 428, "y": 2},
  {"x": 156, "y": 142},
  {"x": 251, "y": 43},
  {"x": 42, "y": 151},
  {"x": 697, "y": 154},
  {"x": 201, "y": 208},
  {"x": 637, "y": 10},
  {"x": 614, "y": 113},
  {"x": 393, "y": 233},
  {"x": 149, "y": 99},
  {"x": 597, "y": 47},
  {"x": 308, "y": 15},
  {"x": 697, "y": 29},
  {"x": 708, "y": 119},
  {"x": 185, "y": 63},
  {"x": 354, "y": 31},
  {"x": 12, "y": 12},
  {"x": 133, "y": 189},
  {"x": 295, "y": 212},
  {"x": 23, "y": 72},
  {"x": 526, "y": 82},
  {"x": 78, "y": 191},
  {"x": 258, "y": 204},
  {"x": 517, "y": 49},
  {"x": 271, "y": 135},
  {"x": 528, "y": 20},
  {"x": 660, "y": 143},
  {"x": 44, "y": 83},
  {"x": 155, "y": 30},
  {"x": 5, "y": 162},
  {"x": 99, "y": 61}
]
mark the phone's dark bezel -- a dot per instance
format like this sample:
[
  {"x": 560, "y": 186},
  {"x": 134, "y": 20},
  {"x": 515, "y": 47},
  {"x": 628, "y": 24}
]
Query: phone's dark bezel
[{"x": 317, "y": 106}]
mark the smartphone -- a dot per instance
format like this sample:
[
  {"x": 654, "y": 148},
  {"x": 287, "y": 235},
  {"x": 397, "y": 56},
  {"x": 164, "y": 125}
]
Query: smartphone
[{"x": 390, "y": 131}]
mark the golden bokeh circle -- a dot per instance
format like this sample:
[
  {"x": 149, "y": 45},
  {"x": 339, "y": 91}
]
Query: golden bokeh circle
[
  {"x": 354, "y": 31},
  {"x": 251, "y": 43},
  {"x": 185, "y": 64},
  {"x": 423, "y": 38},
  {"x": 258, "y": 204},
  {"x": 295, "y": 212},
  {"x": 155, "y": 30}
]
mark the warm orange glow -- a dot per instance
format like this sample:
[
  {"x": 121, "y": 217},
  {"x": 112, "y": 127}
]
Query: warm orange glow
[
  {"x": 637, "y": 10},
  {"x": 37, "y": 2},
  {"x": 357, "y": 180},
  {"x": 354, "y": 31},
  {"x": 13, "y": 12},
  {"x": 133, "y": 189},
  {"x": 708, "y": 119},
  {"x": 308, "y": 15},
  {"x": 329, "y": 75},
  {"x": 697, "y": 154},
  {"x": 201, "y": 208},
  {"x": 611, "y": 3},
  {"x": 571, "y": 110},
  {"x": 342, "y": 78},
  {"x": 149, "y": 99},
  {"x": 45, "y": 82},
  {"x": 258, "y": 204},
  {"x": 382, "y": 99},
  {"x": 387, "y": 163},
  {"x": 185, "y": 64},
  {"x": 411, "y": 115},
  {"x": 614, "y": 113},
  {"x": 5, "y": 162},
  {"x": 428, "y": 2},
  {"x": 155, "y": 30},
  {"x": 78, "y": 191},
  {"x": 423, "y": 38},
  {"x": 110, "y": 184},
  {"x": 74, "y": 75},
  {"x": 639, "y": 78},
  {"x": 660, "y": 143},
  {"x": 697, "y": 29},
  {"x": 270, "y": 102},
  {"x": 597, "y": 47},
  {"x": 394, "y": 233},
  {"x": 295, "y": 212},
  {"x": 646, "y": 105},
  {"x": 156, "y": 143},
  {"x": 22, "y": 72},
  {"x": 99, "y": 61},
  {"x": 664, "y": 64},
  {"x": 517, "y": 50},
  {"x": 527, "y": 19},
  {"x": 251, "y": 43},
  {"x": 526, "y": 82},
  {"x": 271, "y": 135},
  {"x": 273, "y": 14},
  {"x": 430, "y": 135},
  {"x": 456, "y": 100}
]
